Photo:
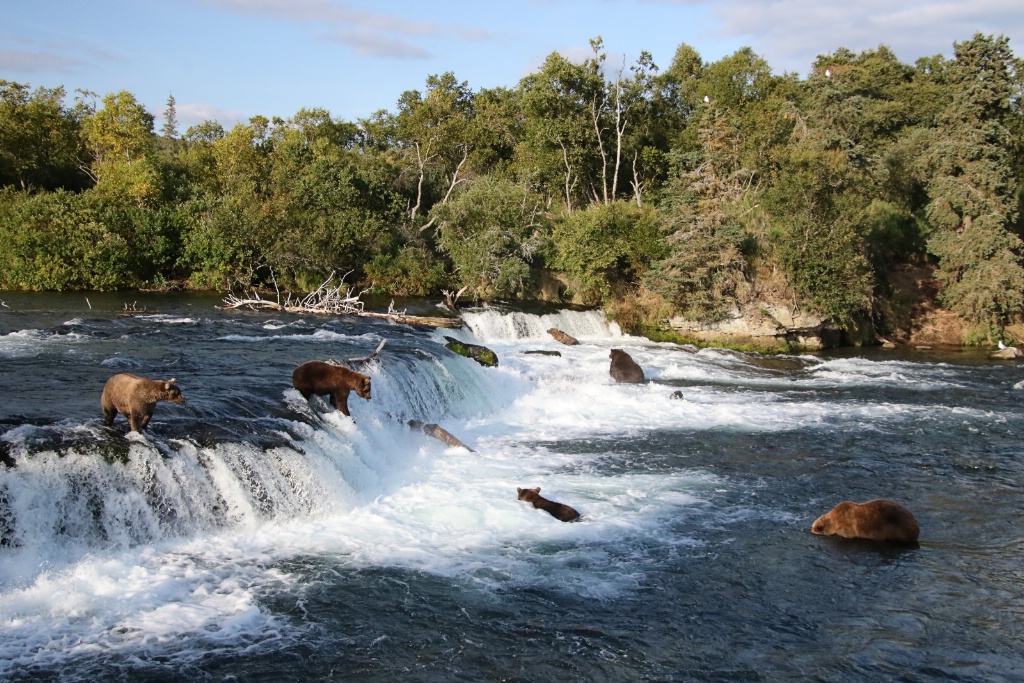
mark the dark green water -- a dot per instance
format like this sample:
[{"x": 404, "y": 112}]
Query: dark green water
[{"x": 250, "y": 536}]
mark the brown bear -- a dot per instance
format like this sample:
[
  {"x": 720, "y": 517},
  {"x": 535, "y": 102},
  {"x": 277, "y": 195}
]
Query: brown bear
[
  {"x": 624, "y": 369},
  {"x": 560, "y": 336},
  {"x": 875, "y": 520},
  {"x": 135, "y": 397},
  {"x": 557, "y": 510},
  {"x": 317, "y": 377}
]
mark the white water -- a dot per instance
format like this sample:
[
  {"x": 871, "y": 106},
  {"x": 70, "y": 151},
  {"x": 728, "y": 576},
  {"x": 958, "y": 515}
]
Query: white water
[
  {"x": 178, "y": 545},
  {"x": 494, "y": 325}
]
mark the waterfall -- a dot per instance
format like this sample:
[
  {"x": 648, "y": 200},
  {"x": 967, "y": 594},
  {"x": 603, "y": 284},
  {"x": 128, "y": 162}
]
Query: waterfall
[
  {"x": 83, "y": 485},
  {"x": 496, "y": 325}
]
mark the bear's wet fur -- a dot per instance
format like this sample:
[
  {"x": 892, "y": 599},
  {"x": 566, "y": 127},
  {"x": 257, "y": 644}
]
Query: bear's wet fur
[
  {"x": 559, "y": 511},
  {"x": 624, "y": 369},
  {"x": 875, "y": 520},
  {"x": 135, "y": 397},
  {"x": 562, "y": 337},
  {"x": 322, "y": 379}
]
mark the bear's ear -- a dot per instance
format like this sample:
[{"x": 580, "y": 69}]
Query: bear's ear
[
  {"x": 519, "y": 491},
  {"x": 171, "y": 381},
  {"x": 537, "y": 489}
]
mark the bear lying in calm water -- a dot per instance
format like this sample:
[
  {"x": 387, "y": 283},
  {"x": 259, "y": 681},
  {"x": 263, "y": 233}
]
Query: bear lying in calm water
[
  {"x": 135, "y": 397},
  {"x": 875, "y": 520}
]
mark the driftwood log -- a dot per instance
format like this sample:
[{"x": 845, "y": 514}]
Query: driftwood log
[
  {"x": 437, "y": 432},
  {"x": 362, "y": 361},
  {"x": 330, "y": 299}
]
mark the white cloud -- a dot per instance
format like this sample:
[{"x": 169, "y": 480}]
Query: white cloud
[
  {"x": 31, "y": 61},
  {"x": 376, "y": 45},
  {"x": 372, "y": 34},
  {"x": 789, "y": 34},
  {"x": 191, "y": 114}
]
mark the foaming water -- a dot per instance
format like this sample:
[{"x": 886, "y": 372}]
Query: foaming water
[
  {"x": 494, "y": 324},
  {"x": 253, "y": 534}
]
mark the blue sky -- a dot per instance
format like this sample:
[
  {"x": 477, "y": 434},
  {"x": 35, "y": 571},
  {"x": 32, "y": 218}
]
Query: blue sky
[{"x": 231, "y": 59}]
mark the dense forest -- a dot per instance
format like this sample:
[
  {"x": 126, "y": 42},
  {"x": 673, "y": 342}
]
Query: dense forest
[{"x": 656, "y": 192}]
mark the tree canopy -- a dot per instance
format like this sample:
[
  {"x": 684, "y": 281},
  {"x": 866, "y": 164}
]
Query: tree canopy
[{"x": 701, "y": 186}]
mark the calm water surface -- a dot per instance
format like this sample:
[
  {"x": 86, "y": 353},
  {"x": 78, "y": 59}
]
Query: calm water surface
[{"x": 251, "y": 536}]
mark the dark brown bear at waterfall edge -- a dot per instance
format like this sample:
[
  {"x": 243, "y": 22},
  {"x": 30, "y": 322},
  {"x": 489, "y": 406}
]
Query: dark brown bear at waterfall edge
[
  {"x": 624, "y": 369},
  {"x": 559, "y": 511},
  {"x": 135, "y": 397},
  {"x": 875, "y": 520},
  {"x": 317, "y": 377}
]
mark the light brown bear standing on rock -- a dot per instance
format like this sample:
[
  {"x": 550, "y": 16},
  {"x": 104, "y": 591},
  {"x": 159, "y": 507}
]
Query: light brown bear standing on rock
[
  {"x": 317, "y": 377},
  {"x": 135, "y": 397},
  {"x": 559, "y": 511},
  {"x": 875, "y": 520},
  {"x": 624, "y": 369}
]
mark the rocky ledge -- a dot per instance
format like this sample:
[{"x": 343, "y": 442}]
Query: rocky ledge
[{"x": 762, "y": 325}]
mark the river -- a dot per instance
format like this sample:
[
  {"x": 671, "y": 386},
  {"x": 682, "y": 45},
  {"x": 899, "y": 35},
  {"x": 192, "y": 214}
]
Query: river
[{"x": 251, "y": 535}]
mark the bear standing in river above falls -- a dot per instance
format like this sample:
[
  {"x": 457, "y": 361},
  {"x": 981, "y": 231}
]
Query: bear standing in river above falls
[
  {"x": 317, "y": 377},
  {"x": 135, "y": 397},
  {"x": 559, "y": 511},
  {"x": 875, "y": 520},
  {"x": 624, "y": 369}
]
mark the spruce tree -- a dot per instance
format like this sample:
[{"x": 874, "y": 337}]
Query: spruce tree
[
  {"x": 973, "y": 192},
  {"x": 170, "y": 127}
]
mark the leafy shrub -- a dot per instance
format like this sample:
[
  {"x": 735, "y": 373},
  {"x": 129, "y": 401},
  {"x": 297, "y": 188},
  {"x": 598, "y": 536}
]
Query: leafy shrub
[
  {"x": 606, "y": 244},
  {"x": 57, "y": 242},
  {"x": 413, "y": 271},
  {"x": 492, "y": 232}
]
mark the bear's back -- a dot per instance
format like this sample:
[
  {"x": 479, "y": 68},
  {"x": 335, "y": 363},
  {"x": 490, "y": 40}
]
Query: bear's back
[
  {"x": 624, "y": 369},
  {"x": 875, "y": 520}
]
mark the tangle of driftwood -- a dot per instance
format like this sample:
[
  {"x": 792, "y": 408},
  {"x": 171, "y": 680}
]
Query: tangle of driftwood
[{"x": 330, "y": 299}]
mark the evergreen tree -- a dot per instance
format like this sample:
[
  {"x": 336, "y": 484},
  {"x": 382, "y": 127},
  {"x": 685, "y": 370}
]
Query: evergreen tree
[
  {"x": 973, "y": 193},
  {"x": 170, "y": 127}
]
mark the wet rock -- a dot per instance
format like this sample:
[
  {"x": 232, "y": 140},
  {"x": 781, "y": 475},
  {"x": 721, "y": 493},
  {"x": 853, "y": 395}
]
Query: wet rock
[{"x": 481, "y": 354}]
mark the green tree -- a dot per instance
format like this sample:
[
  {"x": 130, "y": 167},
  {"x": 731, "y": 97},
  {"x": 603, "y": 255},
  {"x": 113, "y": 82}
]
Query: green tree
[
  {"x": 120, "y": 140},
  {"x": 558, "y": 105},
  {"x": 170, "y": 127},
  {"x": 605, "y": 245},
  {"x": 328, "y": 215},
  {"x": 706, "y": 261},
  {"x": 40, "y": 139},
  {"x": 972, "y": 189},
  {"x": 55, "y": 241},
  {"x": 492, "y": 232},
  {"x": 818, "y": 231},
  {"x": 438, "y": 131}
]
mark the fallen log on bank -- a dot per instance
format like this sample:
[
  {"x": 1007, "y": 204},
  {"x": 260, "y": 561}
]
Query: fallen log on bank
[{"x": 329, "y": 299}]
